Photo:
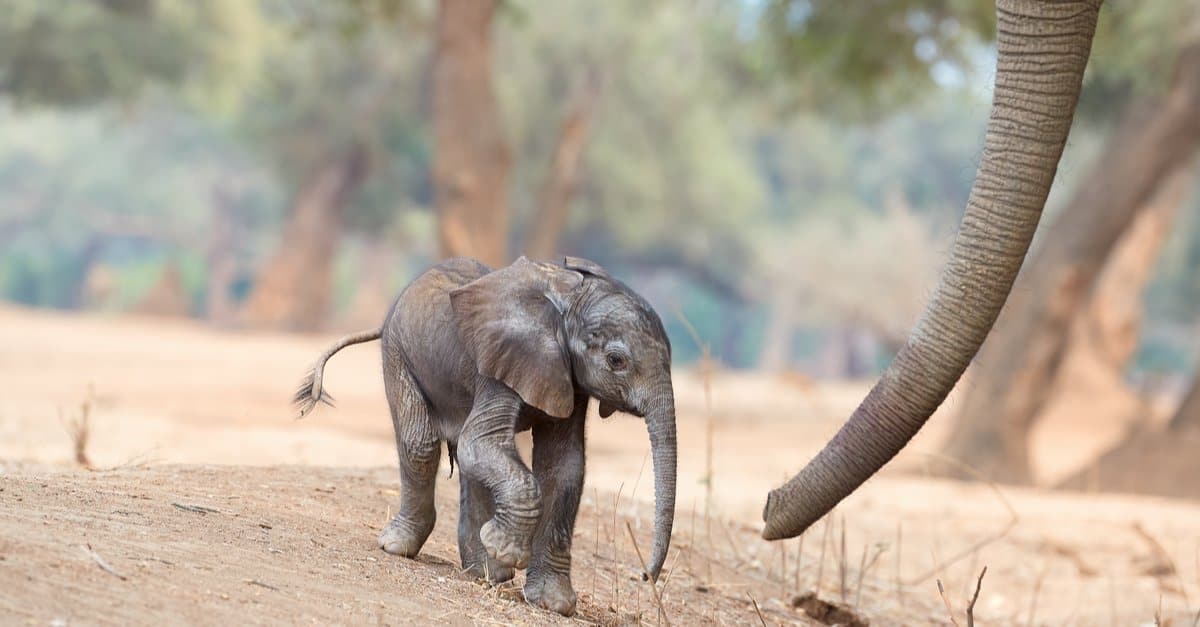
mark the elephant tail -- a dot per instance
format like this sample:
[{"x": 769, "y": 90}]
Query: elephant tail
[{"x": 310, "y": 392}]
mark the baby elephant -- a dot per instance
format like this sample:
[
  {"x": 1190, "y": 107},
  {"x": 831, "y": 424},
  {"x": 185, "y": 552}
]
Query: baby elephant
[{"x": 470, "y": 357}]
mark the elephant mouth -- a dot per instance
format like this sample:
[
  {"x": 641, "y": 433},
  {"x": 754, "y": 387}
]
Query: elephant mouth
[{"x": 608, "y": 408}]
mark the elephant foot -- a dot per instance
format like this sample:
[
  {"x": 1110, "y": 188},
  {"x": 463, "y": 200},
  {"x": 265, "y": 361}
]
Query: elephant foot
[
  {"x": 506, "y": 548},
  {"x": 405, "y": 536},
  {"x": 490, "y": 571},
  {"x": 550, "y": 591}
]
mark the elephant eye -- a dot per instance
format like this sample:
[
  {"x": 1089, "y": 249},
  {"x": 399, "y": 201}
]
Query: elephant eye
[{"x": 616, "y": 361}]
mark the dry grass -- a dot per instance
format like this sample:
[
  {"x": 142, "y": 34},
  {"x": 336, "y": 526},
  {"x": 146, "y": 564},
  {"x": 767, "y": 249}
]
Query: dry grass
[
  {"x": 1084, "y": 542},
  {"x": 79, "y": 430}
]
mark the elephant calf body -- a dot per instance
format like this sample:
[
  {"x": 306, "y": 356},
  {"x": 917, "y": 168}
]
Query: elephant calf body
[{"x": 472, "y": 356}]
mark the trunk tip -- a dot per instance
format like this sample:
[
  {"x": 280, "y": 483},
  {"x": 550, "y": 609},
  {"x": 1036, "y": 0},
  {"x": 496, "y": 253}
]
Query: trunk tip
[{"x": 780, "y": 525}]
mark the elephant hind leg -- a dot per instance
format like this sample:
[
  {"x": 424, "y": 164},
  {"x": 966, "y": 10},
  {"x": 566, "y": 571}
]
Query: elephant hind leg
[
  {"x": 475, "y": 507},
  {"x": 419, "y": 450}
]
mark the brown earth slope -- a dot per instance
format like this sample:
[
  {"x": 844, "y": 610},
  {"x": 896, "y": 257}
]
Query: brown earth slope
[{"x": 167, "y": 398}]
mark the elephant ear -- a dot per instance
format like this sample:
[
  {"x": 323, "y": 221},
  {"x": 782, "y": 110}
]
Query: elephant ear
[
  {"x": 585, "y": 266},
  {"x": 511, "y": 321}
]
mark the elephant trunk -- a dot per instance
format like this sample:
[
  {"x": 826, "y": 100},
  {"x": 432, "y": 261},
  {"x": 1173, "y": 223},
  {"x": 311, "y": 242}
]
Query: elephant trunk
[
  {"x": 1042, "y": 49},
  {"x": 660, "y": 422}
]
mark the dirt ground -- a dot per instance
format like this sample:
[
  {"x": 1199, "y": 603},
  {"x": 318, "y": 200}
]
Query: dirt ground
[{"x": 217, "y": 505}]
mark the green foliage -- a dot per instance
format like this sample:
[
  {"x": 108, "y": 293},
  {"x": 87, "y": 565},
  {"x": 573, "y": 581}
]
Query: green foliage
[
  {"x": 855, "y": 57},
  {"x": 106, "y": 187},
  {"x": 338, "y": 78},
  {"x": 81, "y": 53},
  {"x": 735, "y": 148},
  {"x": 666, "y": 160}
]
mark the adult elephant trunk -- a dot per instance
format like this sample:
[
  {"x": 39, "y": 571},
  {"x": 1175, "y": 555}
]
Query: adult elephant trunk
[
  {"x": 660, "y": 422},
  {"x": 1042, "y": 49}
]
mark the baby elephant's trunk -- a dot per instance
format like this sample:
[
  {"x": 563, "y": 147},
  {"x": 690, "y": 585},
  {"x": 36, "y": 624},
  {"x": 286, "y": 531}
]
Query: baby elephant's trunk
[{"x": 660, "y": 422}]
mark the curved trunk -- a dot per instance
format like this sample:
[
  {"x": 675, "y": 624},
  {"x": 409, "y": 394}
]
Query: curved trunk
[
  {"x": 660, "y": 422},
  {"x": 1016, "y": 372},
  {"x": 1042, "y": 49}
]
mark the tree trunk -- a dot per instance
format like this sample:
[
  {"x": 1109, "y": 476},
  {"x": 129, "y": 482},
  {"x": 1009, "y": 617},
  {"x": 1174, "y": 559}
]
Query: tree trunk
[
  {"x": 222, "y": 256},
  {"x": 1187, "y": 417},
  {"x": 293, "y": 289},
  {"x": 1041, "y": 51},
  {"x": 776, "y": 355},
  {"x": 1090, "y": 394},
  {"x": 562, "y": 177},
  {"x": 471, "y": 160},
  {"x": 374, "y": 292},
  {"x": 1152, "y": 461},
  {"x": 1018, "y": 364},
  {"x": 167, "y": 297}
]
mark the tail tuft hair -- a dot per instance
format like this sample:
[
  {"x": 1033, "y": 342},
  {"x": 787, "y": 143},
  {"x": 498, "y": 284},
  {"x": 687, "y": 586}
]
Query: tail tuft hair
[
  {"x": 309, "y": 394},
  {"x": 311, "y": 391}
]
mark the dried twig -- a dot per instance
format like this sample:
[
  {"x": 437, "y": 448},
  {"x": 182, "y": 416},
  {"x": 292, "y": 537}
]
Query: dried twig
[
  {"x": 616, "y": 542},
  {"x": 799, "y": 559},
  {"x": 946, "y": 601},
  {"x": 899, "y": 548},
  {"x": 104, "y": 566},
  {"x": 199, "y": 509},
  {"x": 1112, "y": 601},
  {"x": 974, "y": 598},
  {"x": 864, "y": 569},
  {"x": 1164, "y": 564},
  {"x": 662, "y": 612},
  {"x": 1037, "y": 589},
  {"x": 737, "y": 553},
  {"x": 706, "y": 368},
  {"x": 633, "y": 504},
  {"x": 671, "y": 571},
  {"x": 821, "y": 563},
  {"x": 842, "y": 563},
  {"x": 255, "y": 582},
  {"x": 596, "y": 518},
  {"x": 691, "y": 536},
  {"x": 79, "y": 430},
  {"x": 758, "y": 611},
  {"x": 1014, "y": 518}
]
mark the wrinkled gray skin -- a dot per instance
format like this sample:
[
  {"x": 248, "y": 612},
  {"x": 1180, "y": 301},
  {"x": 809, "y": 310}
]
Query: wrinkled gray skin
[
  {"x": 1041, "y": 51},
  {"x": 473, "y": 356}
]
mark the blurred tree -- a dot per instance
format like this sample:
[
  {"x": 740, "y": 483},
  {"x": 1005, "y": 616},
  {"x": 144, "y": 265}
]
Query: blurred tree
[
  {"x": 1016, "y": 369},
  {"x": 857, "y": 60},
  {"x": 471, "y": 157},
  {"x": 83, "y": 56},
  {"x": 563, "y": 173},
  {"x": 293, "y": 288},
  {"x": 79, "y": 198},
  {"x": 666, "y": 158},
  {"x": 871, "y": 291},
  {"x": 325, "y": 144},
  {"x": 81, "y": 53},
  {"x": 1091, "y": 380},
  {"x": 1151, "y": 460}
]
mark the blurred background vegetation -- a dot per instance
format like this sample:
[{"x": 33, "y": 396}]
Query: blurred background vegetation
[{"x": 787, "y": 173}]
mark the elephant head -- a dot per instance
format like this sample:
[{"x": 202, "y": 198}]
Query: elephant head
[
  {"x": 1042, "y": 49},
  {"x": 549, "y": 331}
]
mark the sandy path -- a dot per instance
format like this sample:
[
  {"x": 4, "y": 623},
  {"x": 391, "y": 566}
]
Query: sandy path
[{"x": 178, "y": 393}]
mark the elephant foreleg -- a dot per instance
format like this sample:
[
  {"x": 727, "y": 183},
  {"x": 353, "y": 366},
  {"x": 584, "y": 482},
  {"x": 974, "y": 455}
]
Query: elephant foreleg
[
  {"x": 488, "y": 454},
  {"x": 558, "y": 464}
]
